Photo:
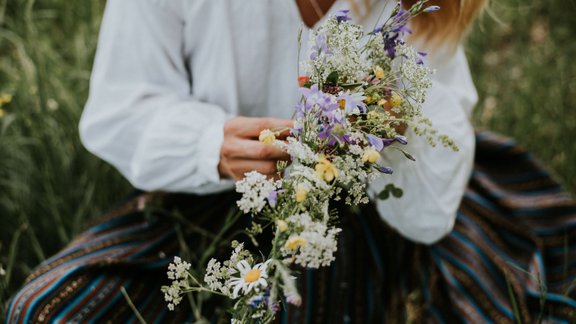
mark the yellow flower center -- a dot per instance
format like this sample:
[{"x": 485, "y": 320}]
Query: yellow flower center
[
  {"x": 342, "y": 103},
  {"x": 252, "y": 275}
]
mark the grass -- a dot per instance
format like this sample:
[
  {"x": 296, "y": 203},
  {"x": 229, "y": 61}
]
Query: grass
[
  {"x": 524, "y": 69},
  {"x": 50, "y": 186}
]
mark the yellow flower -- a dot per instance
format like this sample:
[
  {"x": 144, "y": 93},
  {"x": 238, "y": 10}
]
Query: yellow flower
[
  {"x": 282, "y": 226},
  {"x": 370, "y": 156},
  {"x": 301, "y": 192},
  {"x": 382, "y": 102},
  {"x": 395, "y": 100},
  {"x": 379, "y": 72},
  {"x": 267, "y": 137},
  {"x": 294, "y": 242},
  {"x": 5, "y": 99},
  {"x": 325, "y": 170}
]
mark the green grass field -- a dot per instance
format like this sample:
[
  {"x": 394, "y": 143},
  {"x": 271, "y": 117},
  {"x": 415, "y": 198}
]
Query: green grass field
[{"x": 521, "y": 56}]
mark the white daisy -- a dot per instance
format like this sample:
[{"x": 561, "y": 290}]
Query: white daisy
[{"x": 250, "y": 277}]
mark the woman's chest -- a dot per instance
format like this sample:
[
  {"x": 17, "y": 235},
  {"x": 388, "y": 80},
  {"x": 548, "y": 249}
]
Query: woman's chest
[{"x": 243, "y": 53}]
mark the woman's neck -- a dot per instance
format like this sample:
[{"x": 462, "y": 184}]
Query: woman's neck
[{"x": 312, "y": 11}]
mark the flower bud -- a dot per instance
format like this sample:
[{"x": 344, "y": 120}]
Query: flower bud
[
  {"x": 432, "y": 8},
  {"x": 267, "y": 136}
]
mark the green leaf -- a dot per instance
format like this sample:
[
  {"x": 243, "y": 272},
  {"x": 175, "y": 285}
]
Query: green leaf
[
  {"x": 397, "y": 192},
  {"x": 332, "y": 78},
  {"x": 384, "y": 194},
  {"x": 388, "y": 190},
  {"x": 350, "y": 86}
]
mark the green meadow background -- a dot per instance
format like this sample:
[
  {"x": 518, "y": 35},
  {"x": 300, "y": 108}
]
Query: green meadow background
[{"x": 521, "y": 54}]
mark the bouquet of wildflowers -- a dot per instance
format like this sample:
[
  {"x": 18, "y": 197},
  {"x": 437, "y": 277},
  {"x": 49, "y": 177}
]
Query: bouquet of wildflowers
[{"x": 359, "y": 92}]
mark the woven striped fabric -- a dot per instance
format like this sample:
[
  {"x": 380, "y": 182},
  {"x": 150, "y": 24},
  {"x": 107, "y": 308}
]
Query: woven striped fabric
[{"x": 511, "y": 258}]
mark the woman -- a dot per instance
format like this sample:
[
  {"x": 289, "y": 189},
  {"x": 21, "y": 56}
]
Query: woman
[{"x": 178, "y": 95}]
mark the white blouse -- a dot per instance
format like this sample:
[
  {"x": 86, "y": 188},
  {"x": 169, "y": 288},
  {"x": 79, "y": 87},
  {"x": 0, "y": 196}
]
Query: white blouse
[{"x": 169, "y": 73}]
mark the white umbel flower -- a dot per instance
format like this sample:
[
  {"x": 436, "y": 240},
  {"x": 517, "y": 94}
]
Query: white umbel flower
[{"x": 255, "y": 189}]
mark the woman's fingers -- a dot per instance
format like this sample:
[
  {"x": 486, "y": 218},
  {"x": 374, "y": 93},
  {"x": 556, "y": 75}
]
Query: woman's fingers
[
  {"x": 241, "y": 152},
  {"x": 239, "y": 148},
  {"x": 250, "y": 127},
  {"x": 238, "y": 168}
]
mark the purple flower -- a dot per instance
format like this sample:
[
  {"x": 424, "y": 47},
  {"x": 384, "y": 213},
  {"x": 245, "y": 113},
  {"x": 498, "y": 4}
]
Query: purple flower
[
  {"x": 334, "y": 134},
  {"x": 295, "y": 131},
  {"x": 390, "y": 43},
  {"x": 376, "y": 142},
  {"x": 384, "y": 169},
  {"x": 314, "y": 96},
  {"x": 421, "y": 56},
  {"x": 319, "y": 47},
  {"x": 397, "y": 28},
  {"x": 273, "y": 198},
  {"x": 401, "y": 139},
  {"x": 325, "y": 131},
  {"x": 255, "y": 301},
  {"x": 353, "y": 103},
  {"x": 400, "y": 20},
  {"x": 342, "y": 15},
  {"x": 274, "y": 307},
  {"x": 389, "y": 141}
]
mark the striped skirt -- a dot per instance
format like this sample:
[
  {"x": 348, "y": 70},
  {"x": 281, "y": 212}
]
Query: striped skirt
[{"x": 511, "y": 258}]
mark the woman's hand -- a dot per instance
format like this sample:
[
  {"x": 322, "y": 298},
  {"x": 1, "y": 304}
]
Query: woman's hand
[{"x": 241, "y": 151}]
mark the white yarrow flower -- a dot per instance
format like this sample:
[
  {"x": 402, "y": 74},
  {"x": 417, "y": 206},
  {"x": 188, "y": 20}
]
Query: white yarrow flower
[
  {"x": 178, "y": 269},
  {"x": 314, "y": 246},
  {"x": 255, "y": 189}
]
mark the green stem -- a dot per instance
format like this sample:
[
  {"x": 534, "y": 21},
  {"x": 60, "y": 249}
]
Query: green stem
[{"x": 132, "y": 306}]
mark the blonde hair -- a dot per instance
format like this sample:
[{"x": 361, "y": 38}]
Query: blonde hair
[
  {"x": 448, "y": 25},
  {"x": 445, "y": 27}
]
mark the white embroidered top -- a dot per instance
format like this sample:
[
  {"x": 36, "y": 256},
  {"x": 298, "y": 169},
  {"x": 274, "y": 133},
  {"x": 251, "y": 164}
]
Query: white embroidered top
[{"x": 169, "y": 73}]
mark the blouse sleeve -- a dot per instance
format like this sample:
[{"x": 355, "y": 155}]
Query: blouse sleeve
[
  {"x": 434, "y": 184},
  {"x": 141, "y": 115}
]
